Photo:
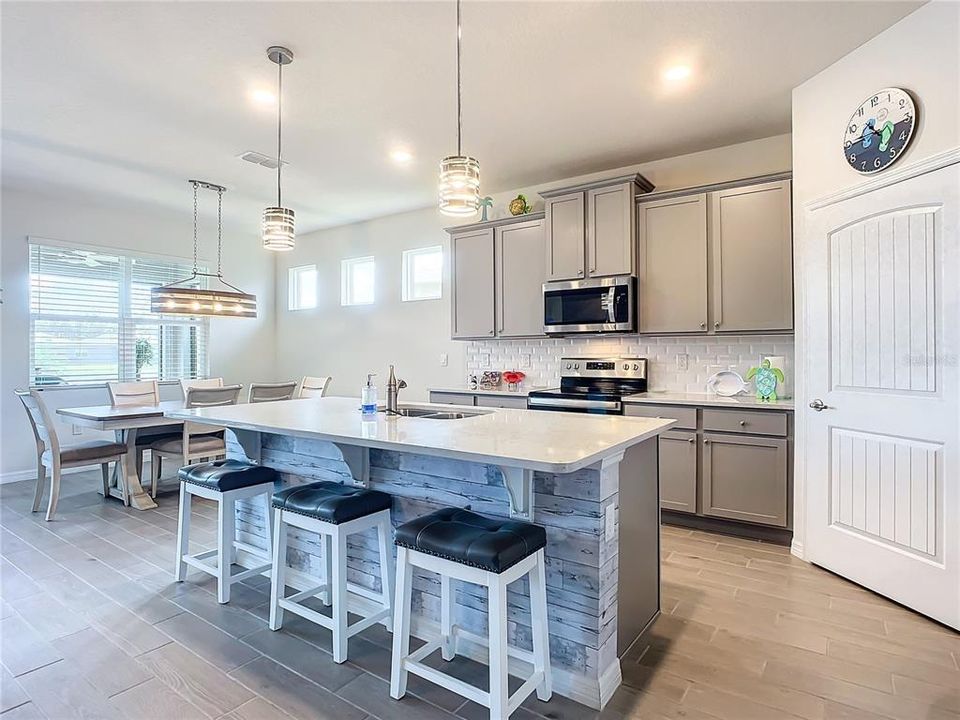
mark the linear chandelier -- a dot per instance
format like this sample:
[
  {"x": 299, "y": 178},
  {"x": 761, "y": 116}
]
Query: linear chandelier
[
  {"x": 278, "y": 229},
  {"x": 459, "y": 174},
  {"x": 179, "y": 298}
]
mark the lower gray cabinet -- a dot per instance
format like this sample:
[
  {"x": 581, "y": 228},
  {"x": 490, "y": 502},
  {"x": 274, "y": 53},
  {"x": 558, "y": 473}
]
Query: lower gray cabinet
[
  {"x": 678, "y": 471},
  {"x": 745, "y": 478}
]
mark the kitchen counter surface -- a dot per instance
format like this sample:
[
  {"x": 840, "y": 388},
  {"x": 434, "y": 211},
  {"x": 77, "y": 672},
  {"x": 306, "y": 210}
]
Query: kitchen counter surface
[
  {"x": 528, "y": 439},
  {"x": 523, "y": 392},
  {"x": 665, "y": 397}
]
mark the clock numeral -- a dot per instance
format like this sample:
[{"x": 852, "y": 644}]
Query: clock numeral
[
  {"x": 860, "y": 112},
  {"x": 876, "y": 163},
  {"x": 902, "y": 103},
  {"x": 852, "y": 129},
  {"x": 893, "y": 153},
  {"x": 874, "y": 101},
  {"x": 863, "y": 165},
  {"x": 847, "y": 145},
  {"x": 853, "y": 158},
  {"x": 903, "y": 136}
]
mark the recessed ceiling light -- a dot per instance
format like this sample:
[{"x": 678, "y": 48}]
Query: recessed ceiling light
[
  {"x": 263, "y": 97},
  {"x": 677, "y": 73},
  {"x": 401, "y": 156}
]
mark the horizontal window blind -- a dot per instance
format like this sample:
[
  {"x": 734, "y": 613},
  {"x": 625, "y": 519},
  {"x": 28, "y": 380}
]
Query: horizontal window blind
[{"x": 90, "y": 319}]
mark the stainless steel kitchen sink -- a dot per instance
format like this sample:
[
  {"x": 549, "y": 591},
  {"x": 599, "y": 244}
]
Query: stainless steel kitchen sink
[{"x": 434, "y": 414}]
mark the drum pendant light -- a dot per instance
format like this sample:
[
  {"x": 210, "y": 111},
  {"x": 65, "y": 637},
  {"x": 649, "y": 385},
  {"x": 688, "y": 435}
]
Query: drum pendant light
[
  {"x": 459, "y": 174},
  {"x": 278, "y": 228},
  {"x": 178, "y": 298}
]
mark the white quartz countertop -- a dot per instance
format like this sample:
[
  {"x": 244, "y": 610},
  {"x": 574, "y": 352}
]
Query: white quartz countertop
[
  {"x": 666, "y": 397},
  {"x": 531, "y": 439},
  {"x": 522, "y": 392}
]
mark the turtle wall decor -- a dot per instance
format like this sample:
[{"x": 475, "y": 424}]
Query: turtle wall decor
[{"x": 765, "y": 379}]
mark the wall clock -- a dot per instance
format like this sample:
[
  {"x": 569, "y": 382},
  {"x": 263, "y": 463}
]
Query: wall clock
[{"x": 879, "y": 131}]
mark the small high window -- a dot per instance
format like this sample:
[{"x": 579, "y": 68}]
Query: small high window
[
  {"x": 357, "y": 281},
  {"x": 423, "y": 273},
  {"x": 302, "y": 287}
]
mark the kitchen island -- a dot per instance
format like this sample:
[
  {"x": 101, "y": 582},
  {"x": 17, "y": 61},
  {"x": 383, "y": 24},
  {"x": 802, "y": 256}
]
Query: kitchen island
[{"x": 591, "y": 481}]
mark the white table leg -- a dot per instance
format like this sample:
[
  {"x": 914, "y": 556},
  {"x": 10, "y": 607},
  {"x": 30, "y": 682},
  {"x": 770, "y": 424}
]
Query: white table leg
[{"x": 133, "y": 490}]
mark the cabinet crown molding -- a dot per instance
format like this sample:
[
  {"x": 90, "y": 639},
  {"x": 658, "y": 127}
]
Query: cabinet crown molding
[
  {"x": 643, "y": 185},
  {"x": 499, "y": 222}
]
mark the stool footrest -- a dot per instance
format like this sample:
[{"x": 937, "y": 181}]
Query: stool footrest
[
  {"x": 197, "y": 561},
  {"x": 518, "y": 653},
  {"x": 464, "y": 689},
  {"x": 308, "y": 593}
]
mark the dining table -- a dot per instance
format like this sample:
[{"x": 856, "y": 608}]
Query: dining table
[{"x": 127, "y": 422}]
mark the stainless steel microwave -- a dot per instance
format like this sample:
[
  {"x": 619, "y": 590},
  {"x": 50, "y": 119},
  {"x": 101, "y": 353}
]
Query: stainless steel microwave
[{"x": 602, "y": 305}]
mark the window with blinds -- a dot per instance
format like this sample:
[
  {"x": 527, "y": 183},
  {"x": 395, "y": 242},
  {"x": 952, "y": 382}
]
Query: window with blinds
[{"x": 90, "y": 319}]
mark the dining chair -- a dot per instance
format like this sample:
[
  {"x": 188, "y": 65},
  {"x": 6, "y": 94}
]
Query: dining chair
[
  {"x": 314, "y": 387},
  {"x": 50, "y": 455},
  {"x": 196, "y": 442},
  {"x": 146, "y": 392},
  {"x": 200, "y": 383},
  {"x": 270, "y": 392}
]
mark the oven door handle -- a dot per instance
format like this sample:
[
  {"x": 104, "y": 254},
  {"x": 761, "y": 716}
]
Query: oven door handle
[
  {"x": 611, "y": 306},
  {"x": 573, "y": 403}
]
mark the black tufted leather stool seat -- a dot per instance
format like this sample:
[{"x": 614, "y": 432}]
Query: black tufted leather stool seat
[
  {"x": 331, "y": 502},
  {"x": 471, "y": 539},
  {"x": 226, "y": 475}
]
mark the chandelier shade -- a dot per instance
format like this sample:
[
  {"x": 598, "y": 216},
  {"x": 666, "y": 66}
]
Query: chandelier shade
[
  {"x": 459, "y": 185},
  {"x": 185, "y": 298},
  {"x": 278, "y": 229}
]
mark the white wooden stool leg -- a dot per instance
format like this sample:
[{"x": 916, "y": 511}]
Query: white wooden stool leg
[
  {"x": 268, "y": 519},
  {"x": 401, "y": 626},
  {"x": 183, "y": 533},
  {"x": 225, "y": 549},
  {"x": 279, "y": 570},
  {"x": 447, "y": 640},
  {"x": 326, "y": 597},
  {"x": 386, "y": 570},
  {"x": 541, "y": 637},
  {"x": 497, "y": 618},
  {"x": 339, "y": 584}
]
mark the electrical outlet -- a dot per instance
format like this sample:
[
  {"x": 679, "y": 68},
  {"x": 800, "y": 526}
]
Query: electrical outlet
[
  {"x": 77, "y": 429},
  {"x": 683, "y": 361},
  {"x": 610, "y": 521},
  {"x": 444, "y": 359},
  {"x": 525, "y": 362}
]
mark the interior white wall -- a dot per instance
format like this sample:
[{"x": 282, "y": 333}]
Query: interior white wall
[
  {"x": 348, "y": 342},
  {"x": 240, "y": 350},
  {"x": 926, "y": 45}
]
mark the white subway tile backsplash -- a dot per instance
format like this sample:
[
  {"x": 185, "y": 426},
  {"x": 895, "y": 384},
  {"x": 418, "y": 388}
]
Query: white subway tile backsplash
[{"x": 706, "y": 355}]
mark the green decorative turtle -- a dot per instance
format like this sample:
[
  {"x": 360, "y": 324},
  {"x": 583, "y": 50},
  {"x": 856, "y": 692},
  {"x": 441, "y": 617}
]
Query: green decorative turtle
[
  {"x": 765, "y": 378},
  {"x": 519, "y": 206}
]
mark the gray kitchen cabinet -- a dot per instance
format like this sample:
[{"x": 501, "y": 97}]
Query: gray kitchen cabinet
[
  {"x": 566, "y": 234},
  {"x": 752, "y": 258},
  {"x": 610, "y": 230},
  {"x": 452, "y": 398},
  {"x": 502, "y": 401},
  {"x": 745, "y": 478},
  {"x": 519, "y": 279},
  {"x": 678, "y": 471},
  {"x": 672, "y": 265},
  {"x": 590, "y": 228},
  {"x": 472, "y": 281}
]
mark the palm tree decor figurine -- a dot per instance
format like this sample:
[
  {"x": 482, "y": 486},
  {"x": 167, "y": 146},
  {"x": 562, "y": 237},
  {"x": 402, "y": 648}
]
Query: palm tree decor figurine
[
  {"x": 765, "y": 380},
  {"x": 487, "y": 202}
]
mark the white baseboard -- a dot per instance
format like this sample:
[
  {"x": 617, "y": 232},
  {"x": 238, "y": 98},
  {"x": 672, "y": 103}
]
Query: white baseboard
[
  {"x": 21, "y": 475},
  {"x": 571, "y": 685},
  {"x": 796, "y": 549}
]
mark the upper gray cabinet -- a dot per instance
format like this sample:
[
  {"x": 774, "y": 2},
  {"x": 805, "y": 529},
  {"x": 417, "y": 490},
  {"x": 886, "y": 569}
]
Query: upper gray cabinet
[
  {"x": 752, "y": 258},
  {"x": 716, "y": 261},
  {"x": 519, "y": 279},
  {"x": 590, "y": 228},
  {"x": 497, "y": 275},
  {"x": 672, "y": 264},
  {"x": 472, "y": 277}
]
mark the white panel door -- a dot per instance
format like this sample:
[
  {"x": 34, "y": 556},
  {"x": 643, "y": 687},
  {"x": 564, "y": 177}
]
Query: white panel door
[{"x": 883, "y": 340}]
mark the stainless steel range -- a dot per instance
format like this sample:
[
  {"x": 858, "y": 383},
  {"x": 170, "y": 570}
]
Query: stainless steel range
[{"x": 593, "y": 385}]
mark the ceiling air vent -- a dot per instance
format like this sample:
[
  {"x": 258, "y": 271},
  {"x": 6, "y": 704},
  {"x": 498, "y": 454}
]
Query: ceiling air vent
[{"x": 260, "y": 159}]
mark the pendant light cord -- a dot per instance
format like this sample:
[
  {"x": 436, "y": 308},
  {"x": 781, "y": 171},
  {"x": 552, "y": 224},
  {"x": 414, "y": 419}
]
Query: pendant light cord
[
  {"x": 196, "y": 189},
  {"x": 219, "y": 233},
  {"x": 279, "y": 128},
  {"x": 459, "y": 111}
]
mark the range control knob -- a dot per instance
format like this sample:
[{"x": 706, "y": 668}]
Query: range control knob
[
  {"x": 576, "y": 366},
  {"x": 636, "y": 367},
  {"x": 569, "y": 366},
  {"x": 626, "y": 366}
]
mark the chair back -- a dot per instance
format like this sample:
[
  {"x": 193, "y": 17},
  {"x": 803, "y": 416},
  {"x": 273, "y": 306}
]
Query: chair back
[
  {"x": 201, "y": 397},
  {"x": 269, "y": 392},
  {"x": 44, "y": 431},
  {"x": 146, "y": 392},
  {"x": 200, "y": 383},
  {"x": 314, "y": 387}
]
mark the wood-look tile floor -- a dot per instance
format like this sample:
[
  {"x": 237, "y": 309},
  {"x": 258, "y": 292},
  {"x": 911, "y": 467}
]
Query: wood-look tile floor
[{"x": 92, "y": 626}]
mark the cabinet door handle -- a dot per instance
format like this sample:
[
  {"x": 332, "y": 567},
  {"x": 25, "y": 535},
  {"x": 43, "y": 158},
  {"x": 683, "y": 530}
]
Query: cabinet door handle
[
  {"x": 690, "y": 440},
  {"x": 716, "y": 324},
  {"x": 743, "y": 423},
  {"x": 703, "y": 326},
  {"x": 706, "y": 442}
]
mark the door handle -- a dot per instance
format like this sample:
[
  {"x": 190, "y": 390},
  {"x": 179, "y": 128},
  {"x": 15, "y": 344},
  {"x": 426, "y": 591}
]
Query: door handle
[{"x": 819, "y": 405}]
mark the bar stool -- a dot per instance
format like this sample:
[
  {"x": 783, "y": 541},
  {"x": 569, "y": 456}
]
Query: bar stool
[
  {"x": 225, "y": 481},
  {"x": 335, "y": 512},
  {"x": 461, "y": 545}
]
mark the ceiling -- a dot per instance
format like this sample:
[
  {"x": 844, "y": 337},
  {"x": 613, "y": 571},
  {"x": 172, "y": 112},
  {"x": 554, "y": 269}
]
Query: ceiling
[{"x": 129, "y": 99}]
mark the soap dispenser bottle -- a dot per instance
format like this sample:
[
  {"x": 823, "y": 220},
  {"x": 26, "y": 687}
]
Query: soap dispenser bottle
[{"x": 368, "y": 397}]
